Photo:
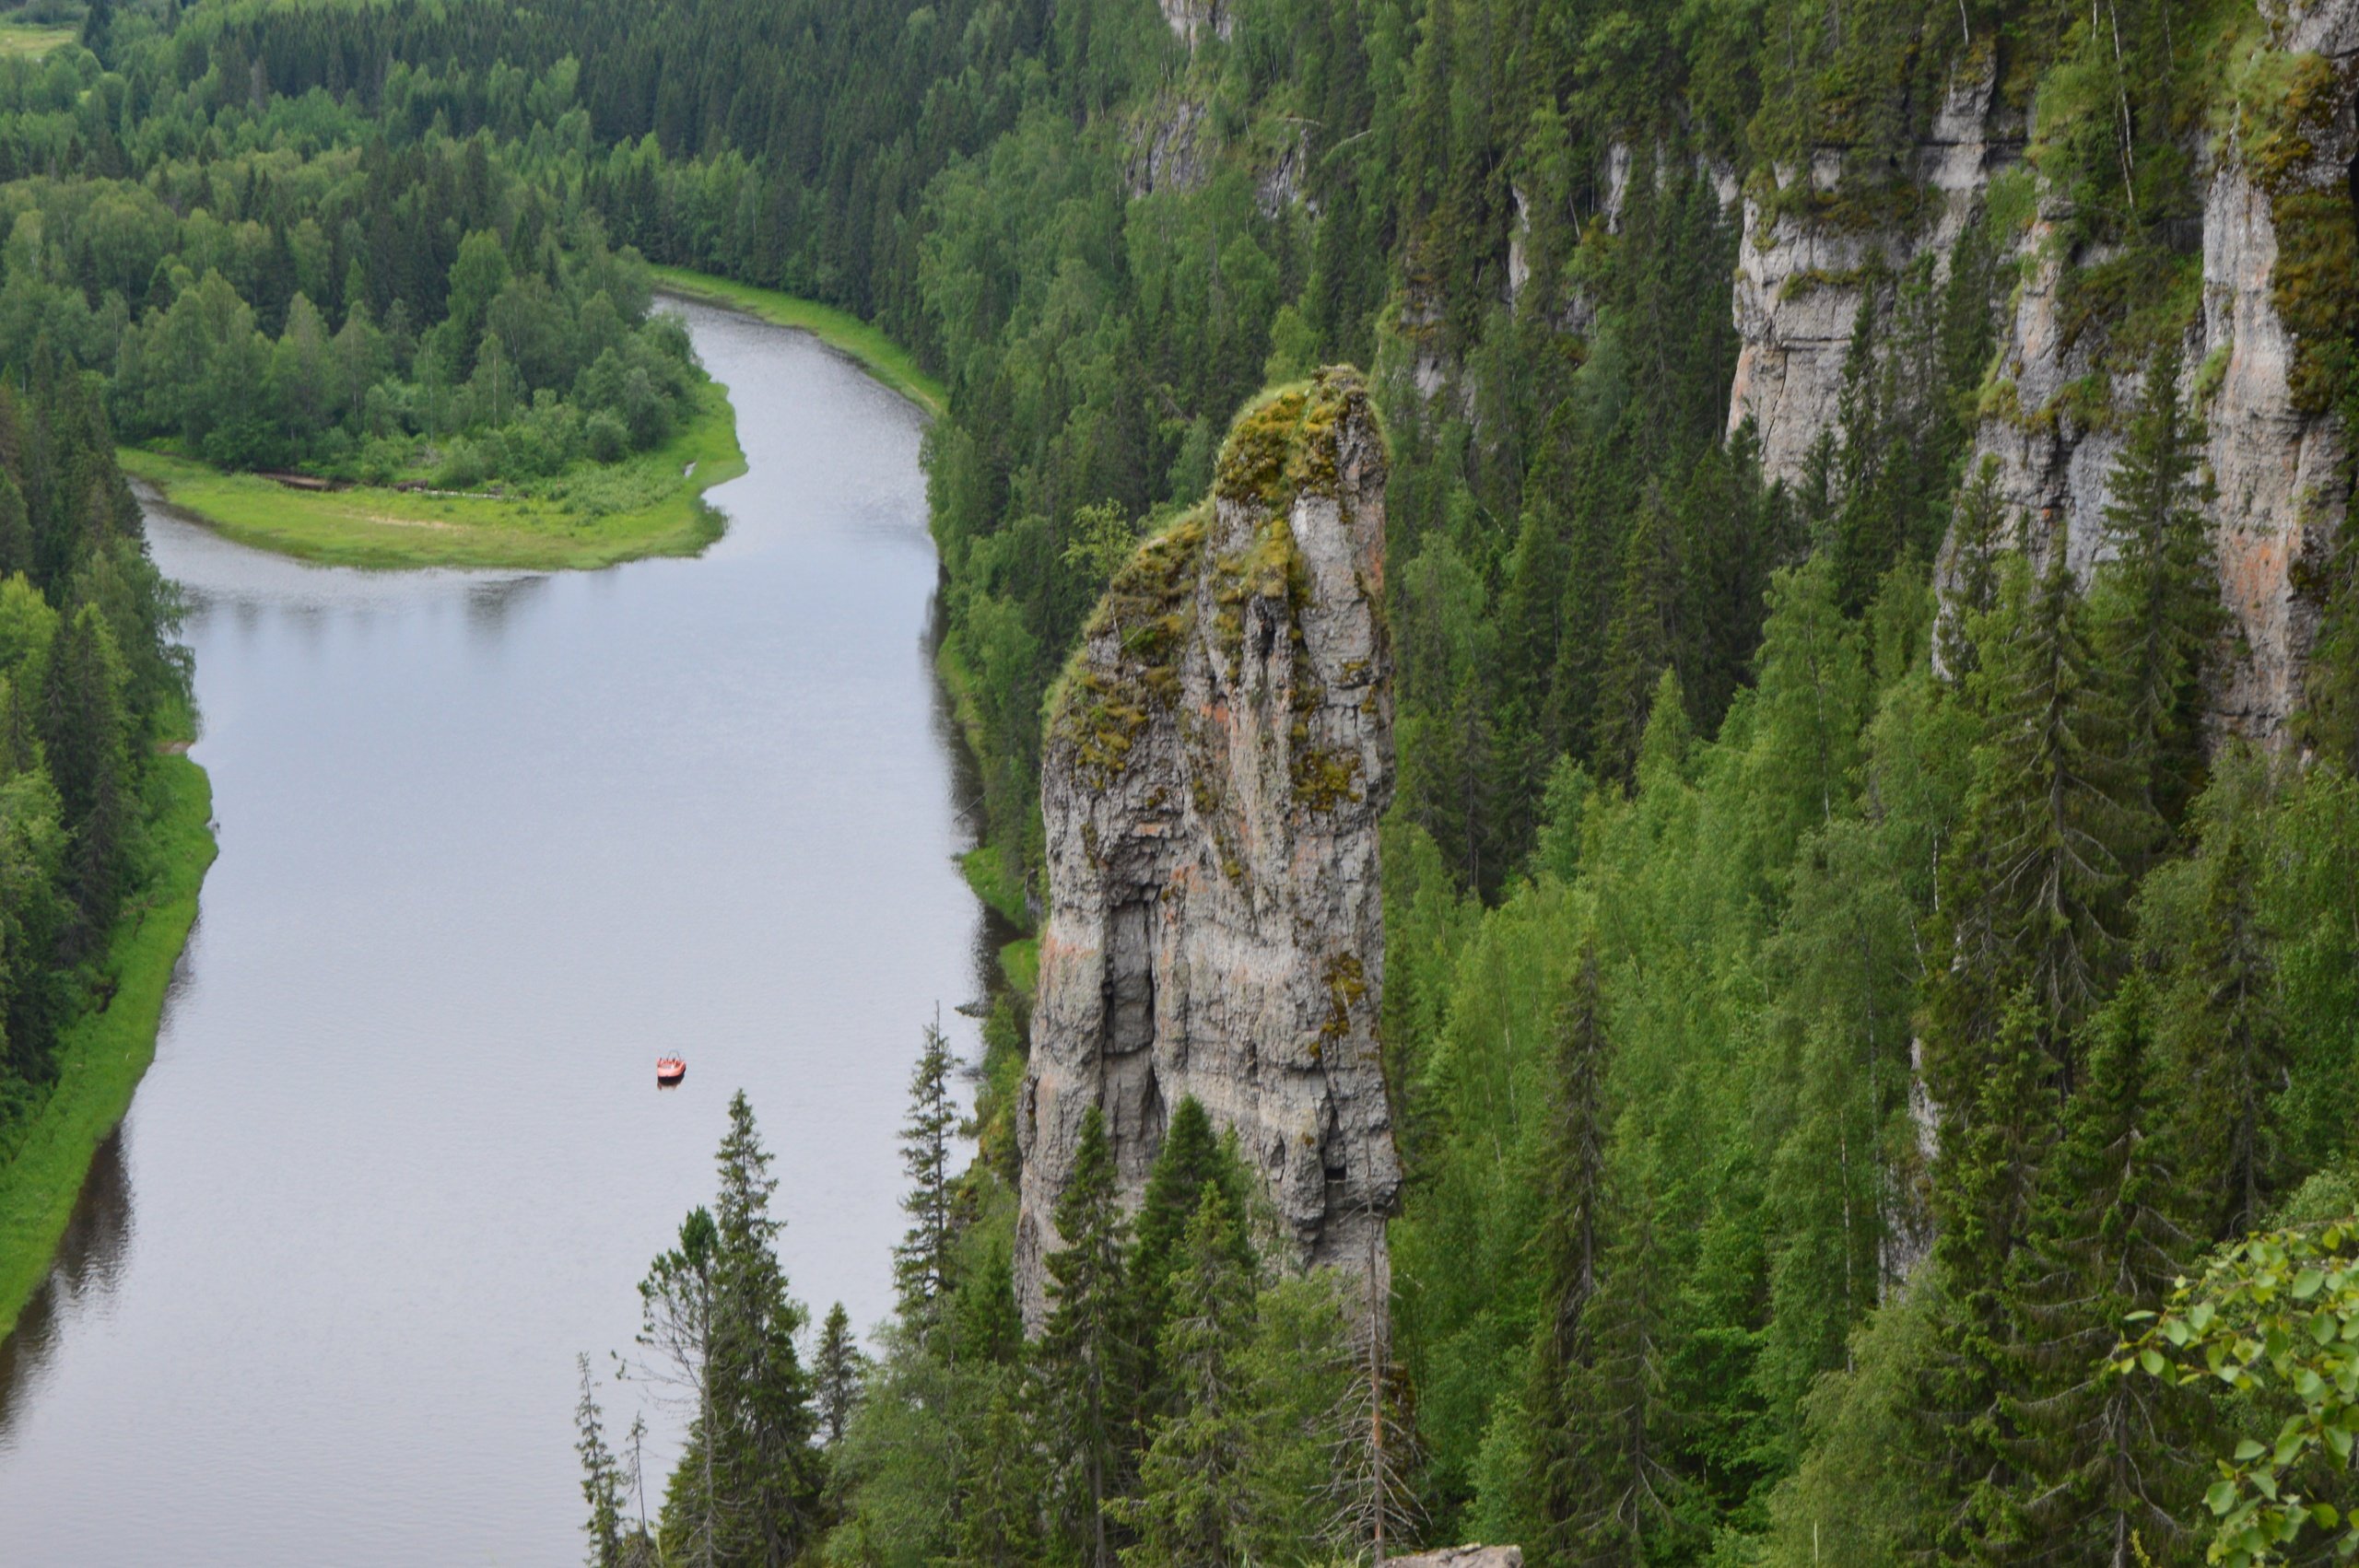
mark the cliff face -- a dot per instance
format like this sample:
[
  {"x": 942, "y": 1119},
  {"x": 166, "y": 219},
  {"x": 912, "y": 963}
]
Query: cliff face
[
  {"x": 1807, "y": 260},
  {"x": 2277, "y": 258},
  {"x": 1218, "y": 756}
]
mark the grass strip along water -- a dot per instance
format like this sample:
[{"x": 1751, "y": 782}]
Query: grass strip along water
[
  {"x": 105, "y": 1051},
  {"x": 593, "y": 515},
  {"x": 840, "y": 330}
]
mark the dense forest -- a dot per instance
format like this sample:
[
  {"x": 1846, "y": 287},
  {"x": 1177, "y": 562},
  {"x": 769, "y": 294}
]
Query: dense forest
[
  {"x": 91, "y": 679},
  {"x": 289, "y": 290},
  {"x": 1840, "y": 979}
]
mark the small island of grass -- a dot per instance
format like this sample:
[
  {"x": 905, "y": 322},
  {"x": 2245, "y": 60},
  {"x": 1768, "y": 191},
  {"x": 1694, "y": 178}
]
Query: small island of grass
[{"x": 590, "y": 515}]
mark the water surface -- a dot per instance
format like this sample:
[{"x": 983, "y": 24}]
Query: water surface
[{"x": 490, "y": 843}]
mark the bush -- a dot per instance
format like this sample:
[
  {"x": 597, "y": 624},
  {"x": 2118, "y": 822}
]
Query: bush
[{"x": 608, "y": 440}]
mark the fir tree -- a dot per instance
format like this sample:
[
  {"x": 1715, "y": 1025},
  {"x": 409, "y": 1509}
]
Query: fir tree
[
  {"x": 836, "y": 1375},
  {"x": 2100, "y": 1461},
  {"x": 2160, "y": 616},
  {"x": 1573, "y": 1180},
  {"x": 761, "y": 1427},
  {"x": 1087, "y": 1353},
  {"x": 2221, "y": 1033},
  {"x": 1194, "y": 1503},
  {"x": 921, "y": 1260}
]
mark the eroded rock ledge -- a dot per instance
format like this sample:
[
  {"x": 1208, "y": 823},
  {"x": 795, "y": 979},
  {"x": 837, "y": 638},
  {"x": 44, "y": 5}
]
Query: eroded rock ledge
[{"x": 1218, "y": 756}]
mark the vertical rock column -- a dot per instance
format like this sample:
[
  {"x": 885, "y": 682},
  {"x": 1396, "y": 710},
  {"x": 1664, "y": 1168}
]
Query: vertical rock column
[{"x": 1218, "y": 755}]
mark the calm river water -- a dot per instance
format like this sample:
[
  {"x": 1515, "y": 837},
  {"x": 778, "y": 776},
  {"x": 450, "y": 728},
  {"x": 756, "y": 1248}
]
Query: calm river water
[{"x": 490, "y": 843}]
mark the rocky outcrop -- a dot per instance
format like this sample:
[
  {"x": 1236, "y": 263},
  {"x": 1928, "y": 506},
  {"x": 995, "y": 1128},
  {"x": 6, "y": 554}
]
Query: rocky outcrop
[
  {"x": 2274, "y": 454},
  {"x": 1463, "y": 1557},
  {"x": 1194, "y": 21},
  {"x": 1816, "y": 239},
  {"x": 2276, "y": 233},
  {"x": 1218, "y": 756},
  {"x": 1170, "y": 147}
]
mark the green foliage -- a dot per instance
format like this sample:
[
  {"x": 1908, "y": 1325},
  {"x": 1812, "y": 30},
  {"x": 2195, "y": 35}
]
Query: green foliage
[
  {"x": 719, "y": 1329},
  {"x": 923, "y": 1259},
  {"x": 2275, "y": 1313}
]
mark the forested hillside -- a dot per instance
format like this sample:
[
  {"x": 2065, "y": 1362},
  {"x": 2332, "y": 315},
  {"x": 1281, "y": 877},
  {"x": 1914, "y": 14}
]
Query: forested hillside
[{"x": 1851, "y": 945}]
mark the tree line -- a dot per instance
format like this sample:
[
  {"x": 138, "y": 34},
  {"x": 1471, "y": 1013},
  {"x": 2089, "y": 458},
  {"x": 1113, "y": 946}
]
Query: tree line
[
  {"x": 91, "y": 677},
  {"x": 1183, "y": 1403}
]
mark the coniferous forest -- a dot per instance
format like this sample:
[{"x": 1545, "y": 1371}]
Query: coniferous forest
[{"x": 1873, "y": 1043}]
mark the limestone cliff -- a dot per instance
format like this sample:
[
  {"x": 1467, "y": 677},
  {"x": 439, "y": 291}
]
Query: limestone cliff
[
  {"x": 1218, "y": 755},
  {"x": 2276, "y": 293}
]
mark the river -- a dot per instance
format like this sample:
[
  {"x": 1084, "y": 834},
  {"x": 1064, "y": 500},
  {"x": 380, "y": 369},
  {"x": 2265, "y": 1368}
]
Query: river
[{"x": 490, "y": 843}]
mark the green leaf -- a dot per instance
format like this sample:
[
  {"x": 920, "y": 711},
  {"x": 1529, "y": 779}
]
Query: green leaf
[
  {"x": 2221, "y": 1498},
  {"x": 2151, "y": 1360},
  {"x": 2248, "y": 1451},
  {"x": 2306, "y": 1284}
]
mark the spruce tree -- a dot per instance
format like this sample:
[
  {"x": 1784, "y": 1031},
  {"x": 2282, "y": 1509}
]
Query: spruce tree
[
  {"x": 676, "y": 1327},
  {"x": 1978, "y": 538},
  {"x": 921, "y": 1259},
  {"x": 2160, "y": 616},
  {"x": 1001, "y": 1515},
  {"x": 1626, "y": 1493},
  {"x": 1195, "y": 1503},
  {"x": 836, "y": 1375},
  {"x": 87, "y": 734},
  {"x": 1190, "y": 1162},
  {"x": 16, "y": 530},
  {"x": 2034, "y": 893},
  {"x": 2099, "y": 1460},
  {"x": 1573, "y": 1180},
  {"x": 1985, "y": 1175},
  {"x": 1645, "y": 636},
  {"x": 718, "y": 1318},
  {"x": 2221, "y": 1031},
  {"x": 1088, "y": 1354}
]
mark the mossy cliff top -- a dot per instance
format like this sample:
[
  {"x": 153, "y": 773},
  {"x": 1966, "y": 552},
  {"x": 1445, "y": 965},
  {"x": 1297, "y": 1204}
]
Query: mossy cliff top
[{"x": 1286, "y": 444}]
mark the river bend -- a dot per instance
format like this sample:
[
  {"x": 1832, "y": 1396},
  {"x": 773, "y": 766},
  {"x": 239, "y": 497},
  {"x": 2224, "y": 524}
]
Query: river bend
[{"x": 490, "y": 843}]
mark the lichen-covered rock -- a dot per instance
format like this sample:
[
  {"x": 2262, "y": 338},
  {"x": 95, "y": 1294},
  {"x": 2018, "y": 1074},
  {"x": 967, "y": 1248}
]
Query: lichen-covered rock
[{"x": 1218, "y": 756}]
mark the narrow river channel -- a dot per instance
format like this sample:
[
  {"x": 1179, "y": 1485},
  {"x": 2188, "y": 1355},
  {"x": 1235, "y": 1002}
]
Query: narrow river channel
[{"x": 490, "y": 844}]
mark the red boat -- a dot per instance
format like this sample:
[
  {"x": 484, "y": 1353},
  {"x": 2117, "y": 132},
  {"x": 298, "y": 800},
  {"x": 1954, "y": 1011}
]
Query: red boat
[{"x": 670, "y": 1069}]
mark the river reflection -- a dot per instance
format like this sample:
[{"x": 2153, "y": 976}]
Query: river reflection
[{"x": 489, "y": 844}]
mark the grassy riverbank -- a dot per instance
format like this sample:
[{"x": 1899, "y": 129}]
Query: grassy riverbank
[
  {"x": 592, "y": 515},
  {"x": 30, "y": 41},
  {"x": 104, "y": 1053},
  {"x": 840, "y": 330}
]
